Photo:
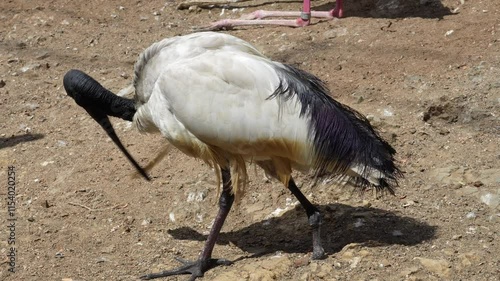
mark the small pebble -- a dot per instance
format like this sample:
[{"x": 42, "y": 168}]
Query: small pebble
[
  {"x": 61, "y": 143},
  {"x": 302, "y": 261},
  {"x": 470, "y": 215},
  {"x": 59, "y": 255}
]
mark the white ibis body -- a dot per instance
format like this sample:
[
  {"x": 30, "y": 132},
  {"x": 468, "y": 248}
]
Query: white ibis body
[{"x": 217, "y": 98}]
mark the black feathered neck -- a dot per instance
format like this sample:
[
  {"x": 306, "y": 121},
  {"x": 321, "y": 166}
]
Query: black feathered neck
[{"x": 89, "y": 94}]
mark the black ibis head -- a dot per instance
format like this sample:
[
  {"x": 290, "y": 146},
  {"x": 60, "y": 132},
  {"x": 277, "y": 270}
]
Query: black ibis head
[{"x": 101, "y": 103}]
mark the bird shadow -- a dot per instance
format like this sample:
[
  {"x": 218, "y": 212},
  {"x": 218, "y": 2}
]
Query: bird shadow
[
  {"x": 342, "y": 225},
  {"x": 391, "y": 9},
  {"x": 15, "y": 140}
]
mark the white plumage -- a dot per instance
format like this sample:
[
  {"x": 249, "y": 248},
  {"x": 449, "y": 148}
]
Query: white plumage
[
  {"x": 217, "y": 98},
  {"x": 222, "y": 111}
]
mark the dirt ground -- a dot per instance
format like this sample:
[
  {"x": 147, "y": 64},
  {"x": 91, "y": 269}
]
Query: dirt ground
[{"x": 426, "y": 73}]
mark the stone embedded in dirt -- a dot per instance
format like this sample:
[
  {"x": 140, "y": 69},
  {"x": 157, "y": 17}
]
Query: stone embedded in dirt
[
  {"x": 354, "y": 262},
  {"x": 477, "y": 183},
  {"x": 351, "y": 246},
  {"x": 440, "y": 267},
  {"x": 384, "y": 263},
  {"x": 471, "y": 215},
  {"x": 197, "y": 196},
  {"x": 32, "y": 105},
  {"x": 267, "y": 270},
  {"x": 306, "y": 276},
  {"x": 59, "y": 255},
  {"x": 469, "y": 259},
  {"x": 374, "y": 120},
  {"x": 388, "y": 112},
  {"x": 171, "y": 216},
  {"x": 409, "y": 271},
  {"x": 364, "y": 253},
  {"x": 45, "y": 163},
  {"x": 366, "y": 204},
  {"x": 108, "y": 249},
  {"x": 313, "y": 266},
  {"x": 321, "y": 270},
  {"x": 61, "y": 143},
  {"x": 2, "y": 84},
  {"x": 490, "y": 199},
  {"x": 227, "y": 275},
  {"x": 414, "y": 82},
  {"x": 347, "y": 255},
  {"x": 441, "y": 111},
  {"x": 489, "y": 176},
  {"x": 471, "y": 230},
  {"x": 42, "y": 55},
  {"x": 324, "y": 271},
  {"x": 467, "y": 190},
  {"x": 146, "y": 222},
  {"x": 303, "y": 261},
  {"x": 29, "y": 67},
  {"x": 334, "y": 32},
  {"x": 101, "y": 260},
  {"x": 409, "y": 203},
  {"x": 448, "y": 175}
]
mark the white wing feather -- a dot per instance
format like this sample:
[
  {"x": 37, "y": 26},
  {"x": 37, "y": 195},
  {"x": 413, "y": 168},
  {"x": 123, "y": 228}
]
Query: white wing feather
[
  {"x": 155, "y": 58},
  {"x": 217, "y": 94}
]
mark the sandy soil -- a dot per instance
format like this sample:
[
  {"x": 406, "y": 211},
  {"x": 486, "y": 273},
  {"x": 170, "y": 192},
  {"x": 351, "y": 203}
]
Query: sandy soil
[{"x": 427, "y": 73}]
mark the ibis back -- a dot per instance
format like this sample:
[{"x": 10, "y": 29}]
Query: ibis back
[{"x": 217, "y": 98}]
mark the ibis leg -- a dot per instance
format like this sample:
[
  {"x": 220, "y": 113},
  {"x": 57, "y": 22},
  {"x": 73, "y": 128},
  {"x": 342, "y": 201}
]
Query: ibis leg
[
  {"x": 315, "y": 220},
  {"x": 205, "y": 261}
]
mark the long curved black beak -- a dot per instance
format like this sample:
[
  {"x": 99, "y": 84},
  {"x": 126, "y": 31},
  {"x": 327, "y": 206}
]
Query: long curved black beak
[{"x": 101, "y": 103}]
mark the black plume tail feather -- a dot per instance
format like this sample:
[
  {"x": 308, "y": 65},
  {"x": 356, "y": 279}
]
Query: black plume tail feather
[
  {"x": 342, "y": 137},
  {"x": 99, "y": 104}
]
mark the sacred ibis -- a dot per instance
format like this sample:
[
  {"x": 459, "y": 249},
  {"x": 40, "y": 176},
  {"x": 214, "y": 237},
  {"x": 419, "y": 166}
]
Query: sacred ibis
[
  {"x": 256, "y": 17},
  {"x": 217, "y": 98}
]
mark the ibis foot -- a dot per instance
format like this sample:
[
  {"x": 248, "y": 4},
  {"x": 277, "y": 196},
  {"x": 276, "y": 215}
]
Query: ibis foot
[
  {"x": 318, "y": 254},
  {"x": 195, "y": 268}
]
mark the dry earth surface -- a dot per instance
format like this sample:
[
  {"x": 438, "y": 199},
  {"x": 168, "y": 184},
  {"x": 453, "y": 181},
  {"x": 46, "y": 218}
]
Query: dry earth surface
[{"x": 427, "y": 74}]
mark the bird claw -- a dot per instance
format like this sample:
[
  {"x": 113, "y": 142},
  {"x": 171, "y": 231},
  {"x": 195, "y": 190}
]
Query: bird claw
[{"x": 195, "y": 268}]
